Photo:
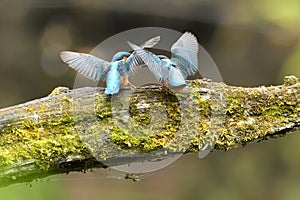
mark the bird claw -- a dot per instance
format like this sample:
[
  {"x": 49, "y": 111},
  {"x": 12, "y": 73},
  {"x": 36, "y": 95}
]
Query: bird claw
[
  {"x": 131, "y": 85},
  {"x": 164, "y": 88}
]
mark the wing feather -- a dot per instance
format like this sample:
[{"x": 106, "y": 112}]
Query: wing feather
[
  {"x": 134, "y": 61},
  {"x": 151, "y": 42},
  {"x": 185, "y": 54},
  {"x": 153, "y": 62},
  {"x": 88, "y": 65}
]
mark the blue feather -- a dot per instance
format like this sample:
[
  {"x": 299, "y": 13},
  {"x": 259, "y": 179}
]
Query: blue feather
[
  {"x": 122, "y": 64},
  {"x": 113, "y": 80},
  {"x": 120, "y": 55},
  {"x": 174, "y": 71},
  {"x": 176, "y": 78}
]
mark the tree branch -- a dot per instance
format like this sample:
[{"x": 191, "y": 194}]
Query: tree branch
[{"x": 75, "y": 130}]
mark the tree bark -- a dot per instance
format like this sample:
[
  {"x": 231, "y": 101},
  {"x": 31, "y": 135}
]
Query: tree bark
[{"x": 80, "y": 129}]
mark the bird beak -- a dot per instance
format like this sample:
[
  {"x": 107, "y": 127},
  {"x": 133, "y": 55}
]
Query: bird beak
[{"x": 125, "y": 58}]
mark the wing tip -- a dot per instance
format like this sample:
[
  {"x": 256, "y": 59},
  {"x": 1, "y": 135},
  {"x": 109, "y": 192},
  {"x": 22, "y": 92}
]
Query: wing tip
[
  {"x": 65, "y": 55},
  {"x": 133, "y": 46},
  {"x": 189, "y": 34},
  {"x": 66, "y": 52},
  {"x": 157, "y": 38},
  {"x": 62, "y": 53}
]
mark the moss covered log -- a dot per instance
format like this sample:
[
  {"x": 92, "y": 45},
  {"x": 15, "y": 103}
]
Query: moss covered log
[{"x": 75, "y": 130}]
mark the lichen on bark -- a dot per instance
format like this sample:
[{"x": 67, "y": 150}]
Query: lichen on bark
[{"x": 74, "y": 130}]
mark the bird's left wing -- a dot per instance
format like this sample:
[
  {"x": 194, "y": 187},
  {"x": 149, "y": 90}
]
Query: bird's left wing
[
  {"x": 185, "y": 54},
  {"x": 134, "y": 62},
  {"x": 153, "y": 62},
  {"x": 88, "y": 65}
]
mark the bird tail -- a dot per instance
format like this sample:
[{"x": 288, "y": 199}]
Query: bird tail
[
  {"x": 113, "y": 82},
  {"x": 176, "y": 79}
]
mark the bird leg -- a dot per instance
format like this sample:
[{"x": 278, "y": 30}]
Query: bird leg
[
  {"x": 125, "y": 82},
  {"x": 165, "y": 84},
  {"x": 131, "y": 85}
]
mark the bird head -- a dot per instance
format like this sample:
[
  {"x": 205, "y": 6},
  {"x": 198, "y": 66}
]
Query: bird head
[
  {"x": 122, "y": 55},
  {"x": 168, "y": 62}
]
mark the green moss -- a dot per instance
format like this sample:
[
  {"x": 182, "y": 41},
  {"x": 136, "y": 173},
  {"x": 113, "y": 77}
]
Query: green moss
[
  {"x": 58, "y": 91},
  {"x": 256, "y": 113},
  {"x": 144, "y": 132},
  {"x": 103, "y": 107},
  {"x": 39, "y": 139},
  {"x": 155, "y": 120},
  {"x": 203, "y": 113},
  {"x": 290, "y": 80}
]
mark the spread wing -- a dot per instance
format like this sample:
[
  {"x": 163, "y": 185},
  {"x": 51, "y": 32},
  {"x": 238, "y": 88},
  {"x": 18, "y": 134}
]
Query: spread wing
[
  {"x": 151, "y": 42},
  {"x": 153, "y": 62},
  {"x": 134, "y": 61},
  {"x": 88, "y": 65},
  {"x": 185, "y": 54}
]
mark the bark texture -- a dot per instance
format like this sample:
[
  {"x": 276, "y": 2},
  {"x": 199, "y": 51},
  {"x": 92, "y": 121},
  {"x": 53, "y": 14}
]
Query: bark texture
[{"x": 80, "y": 129}]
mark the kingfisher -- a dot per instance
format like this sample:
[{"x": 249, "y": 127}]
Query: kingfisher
[
  {"x": 115, "y": 73},
  {"x": 172, "y": 72}
]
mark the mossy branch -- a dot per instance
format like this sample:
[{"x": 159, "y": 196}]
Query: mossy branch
[{"x": 75, "y": 130}]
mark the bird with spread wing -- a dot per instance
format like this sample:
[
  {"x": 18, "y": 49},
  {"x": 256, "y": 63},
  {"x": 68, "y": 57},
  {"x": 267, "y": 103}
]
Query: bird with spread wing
[
  {"x": 115, "y": 73},
  {"x": 172, "y": 72}
]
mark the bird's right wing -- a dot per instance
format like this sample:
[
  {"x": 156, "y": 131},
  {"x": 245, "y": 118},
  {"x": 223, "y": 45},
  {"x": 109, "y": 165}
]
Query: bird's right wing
[
  {"x": 153, "y": 62},
  {"x": 185, "y": 54},
  {"x": 88, "y": 65},
  {"x": 134, "y": 61}
]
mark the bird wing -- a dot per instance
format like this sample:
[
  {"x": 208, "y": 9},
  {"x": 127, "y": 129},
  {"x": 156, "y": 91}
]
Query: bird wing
[
  {"x": 185, "y": 54},
  {"x": 88, "y": 65},
  {"x": 134, "y": 62},
  {"x": 151, "y": 42},
  {"x": 153, "y": 62}
]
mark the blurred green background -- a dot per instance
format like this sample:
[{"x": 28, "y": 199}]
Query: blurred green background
[{"x": 252, "y": 42}]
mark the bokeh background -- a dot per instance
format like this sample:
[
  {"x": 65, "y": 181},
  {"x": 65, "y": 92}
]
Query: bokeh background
[{"x": 252, "y": 42}]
